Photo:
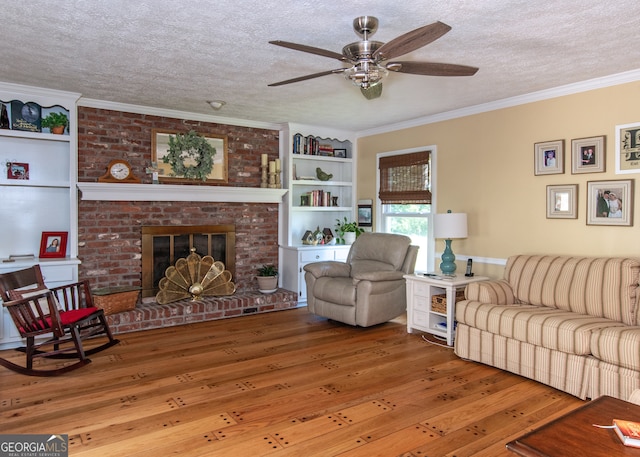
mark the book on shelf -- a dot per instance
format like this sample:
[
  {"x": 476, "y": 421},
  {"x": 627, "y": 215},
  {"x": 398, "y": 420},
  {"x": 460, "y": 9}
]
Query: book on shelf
[
  {"x": 325, "y": 150},
  {"x": 306, "y": 145},
  {"x": 310, "y": 145},
  {"x": 14, "y": 257},
  {"x": 316, "y": 198}
]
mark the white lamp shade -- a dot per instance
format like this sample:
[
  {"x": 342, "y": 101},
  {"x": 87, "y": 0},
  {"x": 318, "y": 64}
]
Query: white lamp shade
[{"x": 450, "y": 225}]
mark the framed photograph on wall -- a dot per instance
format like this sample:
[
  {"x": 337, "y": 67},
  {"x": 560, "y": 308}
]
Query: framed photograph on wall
[
  {"x": 189, "y": 159},
  {"x": 549, "y": 157},
  {"x": 562, "y": 201},
  {"x": 588, "y": 155},
  {"x": 365, "y": 215},
  {"x": 628, "y": 148},
  {"x": 53, "y": 245},
  {"x": 610, "y": 202}
]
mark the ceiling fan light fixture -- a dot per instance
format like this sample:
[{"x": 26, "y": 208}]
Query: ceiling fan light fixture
[
  {"x": 365, "y": 74},
  {"x": 367, "y": 57},
  {"x": 372, "y": 92}
]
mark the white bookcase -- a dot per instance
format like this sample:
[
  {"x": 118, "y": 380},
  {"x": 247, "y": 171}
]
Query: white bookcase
[
  {"x": 311, "y": 203},
  {"x": 47, "y": 201}
]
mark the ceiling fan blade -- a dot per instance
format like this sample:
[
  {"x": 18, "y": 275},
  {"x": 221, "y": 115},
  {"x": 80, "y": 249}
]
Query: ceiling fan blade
[
  {"x": 310, "y": 49},
  {"x": 432, "y": 68},
  {"x": 372, "y": 92},
  {"x": 411, "y": 41},
  {"x": 304, "y": 78}
]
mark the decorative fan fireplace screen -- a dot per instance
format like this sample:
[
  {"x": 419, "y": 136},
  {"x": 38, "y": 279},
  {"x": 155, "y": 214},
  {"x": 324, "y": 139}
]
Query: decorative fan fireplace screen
[{"x": 163, "y": 246}]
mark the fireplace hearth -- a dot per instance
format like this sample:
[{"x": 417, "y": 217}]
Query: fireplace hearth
[{"x": 151, "y": 315}]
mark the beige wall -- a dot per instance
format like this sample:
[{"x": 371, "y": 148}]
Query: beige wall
[{"x": 485, "y": 168}]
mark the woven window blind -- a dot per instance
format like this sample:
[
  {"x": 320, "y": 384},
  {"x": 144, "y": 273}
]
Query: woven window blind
[{"x": 405, "y": 178}]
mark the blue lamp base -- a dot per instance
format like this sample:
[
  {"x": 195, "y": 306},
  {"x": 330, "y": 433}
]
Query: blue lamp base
[{"x": 448, "y": 265}]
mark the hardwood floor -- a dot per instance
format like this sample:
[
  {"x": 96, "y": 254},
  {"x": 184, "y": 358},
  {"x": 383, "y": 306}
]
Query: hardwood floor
[{"x": 280, "y": 384}]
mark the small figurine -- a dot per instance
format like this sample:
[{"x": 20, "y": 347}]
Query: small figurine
[
  {"x": 322, "y": 176},
  {"x": 328, "y": 236}
]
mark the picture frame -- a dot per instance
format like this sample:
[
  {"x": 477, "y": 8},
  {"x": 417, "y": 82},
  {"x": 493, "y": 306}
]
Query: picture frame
[
  {"x": 562, "y": 201},
  {"x": 549, "y": 157},
  {"x": 53, "y": 245},
  {"x": 160, "y": 149},
  {"x": 25, "y": 116},
  {"x": 365, "y": 215},
  {"x": 341, "y": 153},
  {"x": 588, "y": 155},
  {"x": 628, "y": 148},
  {"x": 18, "y": 170},
  {"x": 600, "y": 207}
]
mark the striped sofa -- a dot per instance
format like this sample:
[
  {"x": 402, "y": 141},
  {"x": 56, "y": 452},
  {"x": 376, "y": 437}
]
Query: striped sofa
[{"x": 569, "y": 322}]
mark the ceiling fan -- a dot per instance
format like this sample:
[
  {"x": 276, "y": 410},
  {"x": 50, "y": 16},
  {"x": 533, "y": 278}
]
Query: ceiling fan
[{"x": 367, "y": 59}]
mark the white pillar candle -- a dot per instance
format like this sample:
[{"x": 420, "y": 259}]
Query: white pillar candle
[
  {"x": 277, "y": 164},
  {"x": 272, "y": 167},
  {"x": 265, "y": 158}
]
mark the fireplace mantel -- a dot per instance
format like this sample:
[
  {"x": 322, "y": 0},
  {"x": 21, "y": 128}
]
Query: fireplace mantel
[{"x": 178, "y": 193}]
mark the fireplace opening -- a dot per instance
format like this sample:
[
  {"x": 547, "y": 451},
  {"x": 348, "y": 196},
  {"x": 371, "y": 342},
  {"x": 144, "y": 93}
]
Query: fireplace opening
[{"x": 162, "y": 246}]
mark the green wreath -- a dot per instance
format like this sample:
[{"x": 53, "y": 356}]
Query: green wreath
[{"x": 190, "y": 147}]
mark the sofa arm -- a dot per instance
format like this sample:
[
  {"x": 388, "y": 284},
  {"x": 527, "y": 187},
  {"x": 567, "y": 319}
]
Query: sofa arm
[
  {"x": 328, "y": 268},
  {"x": 635, "y": 397},
  {"x": 495, "y": 291}
]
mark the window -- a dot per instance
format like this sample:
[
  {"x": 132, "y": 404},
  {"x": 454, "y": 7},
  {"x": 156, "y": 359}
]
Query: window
[
  {"x": 404, "y": 199},
  {"x": 405, "y": 178}
]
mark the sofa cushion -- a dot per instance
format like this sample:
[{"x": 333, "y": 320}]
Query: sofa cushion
[
  {"x": 550, "y": 328},
  {"x": 600, "y": 287},
  {"x": 617, "y": 345}
]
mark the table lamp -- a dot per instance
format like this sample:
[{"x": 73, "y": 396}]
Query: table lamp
[{"x": 449, "y": 226}]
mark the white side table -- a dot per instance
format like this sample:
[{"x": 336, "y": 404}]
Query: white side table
[{"x": 421, "y": 316}]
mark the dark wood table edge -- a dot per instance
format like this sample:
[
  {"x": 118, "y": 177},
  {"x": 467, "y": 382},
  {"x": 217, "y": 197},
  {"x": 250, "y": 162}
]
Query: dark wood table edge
[{"x": 519, "y": 447}]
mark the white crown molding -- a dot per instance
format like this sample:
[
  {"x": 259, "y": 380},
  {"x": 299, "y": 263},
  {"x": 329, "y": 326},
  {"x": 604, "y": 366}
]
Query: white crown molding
[
  {"x": 568, "y": 89},
  {"x": 178, "y": 193},
  {"x": 48, "y": 97},
  {"x": 175, "y": 114}
]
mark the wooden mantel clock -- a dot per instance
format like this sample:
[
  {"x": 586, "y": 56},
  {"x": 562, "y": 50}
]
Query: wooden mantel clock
[{"x": 119, "y": 171}]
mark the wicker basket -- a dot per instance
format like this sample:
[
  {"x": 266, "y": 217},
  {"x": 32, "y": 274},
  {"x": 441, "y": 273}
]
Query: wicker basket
[
  {"x": 439, "y": 302},
  {"x": 115, "y": 299}
]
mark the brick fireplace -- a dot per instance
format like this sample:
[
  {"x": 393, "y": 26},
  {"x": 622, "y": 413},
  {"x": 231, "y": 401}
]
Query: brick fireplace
[{"x": 110, "y": 229}]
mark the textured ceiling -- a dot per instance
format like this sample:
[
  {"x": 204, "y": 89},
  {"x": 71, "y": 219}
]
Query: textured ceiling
[{"x": 179, "y": 54}]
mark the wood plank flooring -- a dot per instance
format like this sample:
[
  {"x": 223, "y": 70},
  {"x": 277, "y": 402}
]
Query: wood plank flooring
[{"x": 286, "y": 383}]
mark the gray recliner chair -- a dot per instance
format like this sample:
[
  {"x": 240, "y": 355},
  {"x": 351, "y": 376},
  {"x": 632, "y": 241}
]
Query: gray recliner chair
[{"x": 367, "y": 289}]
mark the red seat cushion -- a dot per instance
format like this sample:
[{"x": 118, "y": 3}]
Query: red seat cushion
[
  {"x": 66, "y": 317},
  {"x": 69, "y": 317}
]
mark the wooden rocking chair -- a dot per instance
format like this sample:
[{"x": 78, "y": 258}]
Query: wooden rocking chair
[{"x": 54, "y": 322}]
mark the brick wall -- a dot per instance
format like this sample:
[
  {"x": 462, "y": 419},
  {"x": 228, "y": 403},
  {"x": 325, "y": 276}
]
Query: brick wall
[{"x": 110, "y": 232}]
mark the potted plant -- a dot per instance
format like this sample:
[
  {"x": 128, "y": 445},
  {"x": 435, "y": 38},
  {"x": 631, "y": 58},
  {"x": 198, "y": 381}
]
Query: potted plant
[
  {"x": 56, "y": 122},
  {"x": 347, "y": 231},
  {"x": 267, "y": 279}
]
